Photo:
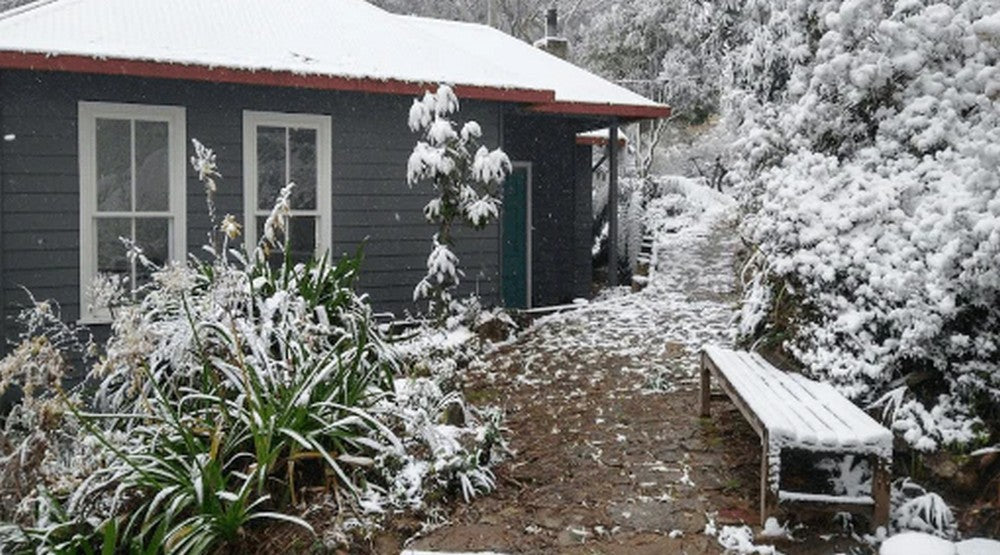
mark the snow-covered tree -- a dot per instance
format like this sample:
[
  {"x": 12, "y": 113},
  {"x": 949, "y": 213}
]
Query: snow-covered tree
[
  {"x": 669, "y": 50},
  {"x": 870, "y": 170},
  {"x": 465, "y": 176},
  {"x": 524, "y": 19}
]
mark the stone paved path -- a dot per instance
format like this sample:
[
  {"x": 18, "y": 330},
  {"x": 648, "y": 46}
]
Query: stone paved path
[{"x": 611, "y": 456}]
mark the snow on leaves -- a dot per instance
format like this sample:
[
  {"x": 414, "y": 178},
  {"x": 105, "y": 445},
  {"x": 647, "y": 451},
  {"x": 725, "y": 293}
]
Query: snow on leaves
[
  {"x": 464, "y": 174},
  {"x": 871, "y": 178}
]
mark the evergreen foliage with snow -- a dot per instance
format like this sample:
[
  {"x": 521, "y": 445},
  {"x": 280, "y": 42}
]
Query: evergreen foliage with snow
[
  {"x": 673, "y": 50},
  {"x": 870, "y": 173},
  {"x": 465, "y": 176}
]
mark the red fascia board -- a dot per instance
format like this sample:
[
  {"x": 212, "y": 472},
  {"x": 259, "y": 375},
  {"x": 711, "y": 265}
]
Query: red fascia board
[
  {"x": 593, "y": 109},
  {"x": 143, "y": 68}
]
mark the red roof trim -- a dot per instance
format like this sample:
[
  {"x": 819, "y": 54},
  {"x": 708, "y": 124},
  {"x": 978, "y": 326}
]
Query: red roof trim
[
  {"x": 543, "y": 101},
  {"x": 593, "y": 109},
  {"x": 139, "y": 68}
]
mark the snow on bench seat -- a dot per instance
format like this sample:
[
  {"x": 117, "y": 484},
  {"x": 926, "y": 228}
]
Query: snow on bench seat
[
  {"x": 790, "y": 411},
  {"x": 801, "y": 497},
  {"x": 798, "y": 412}
]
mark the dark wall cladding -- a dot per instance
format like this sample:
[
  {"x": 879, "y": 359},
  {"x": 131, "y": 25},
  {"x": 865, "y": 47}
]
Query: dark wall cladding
[
  {"x": 561, "y": 200},
  {"x": 39, "y": 174}
]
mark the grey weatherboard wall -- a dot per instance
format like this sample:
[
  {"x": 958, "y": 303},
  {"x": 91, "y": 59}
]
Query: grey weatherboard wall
[
  {"x": 39, "y": 176},
  {"x": 561, "y": 205}
]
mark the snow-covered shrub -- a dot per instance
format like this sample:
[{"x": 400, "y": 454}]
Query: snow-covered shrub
[
  {"x": 223, "y": 383},
  {"x": 914, "y": 508},
  {"x": 465, "y": 176},
  {"x": 655, "y": 206},
  {"x": 438, "y": 453},
  {"x": 703, "y": 151},
  {"x": 38, "y": 443},
  {"x": 870, "y": 171},
  {"x": 849, "y": 475},
  {"x": 633, "y": 196},
  {"x": 227, "y": 388},
  {"x": 680, "y": 202}
]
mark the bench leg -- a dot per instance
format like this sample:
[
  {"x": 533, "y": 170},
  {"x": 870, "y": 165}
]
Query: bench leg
[
  {"x": 768, "y": 482},
  {"x": 706, "y": 389},
  {"x": 881, "y": 479}
]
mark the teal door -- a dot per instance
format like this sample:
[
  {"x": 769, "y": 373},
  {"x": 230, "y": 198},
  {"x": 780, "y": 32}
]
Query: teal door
[{"x": 516, "y": 231}]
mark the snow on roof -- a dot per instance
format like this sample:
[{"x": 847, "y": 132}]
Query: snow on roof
[{"x": 347, "y": 44}]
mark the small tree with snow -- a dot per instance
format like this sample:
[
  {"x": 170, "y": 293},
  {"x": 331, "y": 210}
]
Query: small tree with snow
[{"x": 465, "y": 176}]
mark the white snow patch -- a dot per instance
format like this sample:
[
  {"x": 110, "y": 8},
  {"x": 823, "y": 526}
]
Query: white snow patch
[
  {"x": 739, "y": 540},
  {"x": 774, "y": 529}
]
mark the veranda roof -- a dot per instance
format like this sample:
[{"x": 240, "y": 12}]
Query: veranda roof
[{"x": 325, "y": 44}]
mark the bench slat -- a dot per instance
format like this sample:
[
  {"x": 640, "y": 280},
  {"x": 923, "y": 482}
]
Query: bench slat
[
  {"x": 868, "y": 431},
  {"x": 828, "y": 428},
  {"x": 754, "y": 395},
  {"x": 802, "y": 425}
]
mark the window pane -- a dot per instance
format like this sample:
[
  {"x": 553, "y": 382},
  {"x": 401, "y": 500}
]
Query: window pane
[
  {"x": 152, "y": 235},
  {"x": 302, "y": 163},
  {"x": 111, "y": 256},
  {"x": 114, "y": 165},
  {"x": 302, "y": 238},
  {"x": 152, "y": 188},
  {"x": 270, "y": 165}
]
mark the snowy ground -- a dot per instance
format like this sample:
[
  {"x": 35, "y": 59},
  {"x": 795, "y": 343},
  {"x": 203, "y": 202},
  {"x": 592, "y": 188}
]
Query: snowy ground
[{"x": 601, "y": 403}]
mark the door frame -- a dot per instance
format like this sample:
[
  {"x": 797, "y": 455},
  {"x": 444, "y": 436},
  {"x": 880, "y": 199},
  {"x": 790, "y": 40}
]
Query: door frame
[{"x": 528, "y": 227}]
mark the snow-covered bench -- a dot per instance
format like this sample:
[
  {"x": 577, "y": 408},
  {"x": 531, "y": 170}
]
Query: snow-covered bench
[{"x": 790, "y": 411}]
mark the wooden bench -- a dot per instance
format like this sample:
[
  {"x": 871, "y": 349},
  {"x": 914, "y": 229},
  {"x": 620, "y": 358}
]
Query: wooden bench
[{"x": 789, "y": 411}]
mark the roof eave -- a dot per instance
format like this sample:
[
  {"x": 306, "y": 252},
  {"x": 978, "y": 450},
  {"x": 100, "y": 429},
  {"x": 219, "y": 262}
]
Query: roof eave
[
  {"x": 539, "y": 100},
  {"x": 622, "y": 111},
  {"x": 193, "y": 72}
]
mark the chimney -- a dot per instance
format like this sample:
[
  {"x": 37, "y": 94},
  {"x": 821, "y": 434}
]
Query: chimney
[{"x": 552, "y": 42}]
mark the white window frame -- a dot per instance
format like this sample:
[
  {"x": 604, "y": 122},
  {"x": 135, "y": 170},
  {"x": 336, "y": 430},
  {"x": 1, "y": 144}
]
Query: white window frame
[
  {"x": 88, "y": 114},
  {"x": 323, "y": 212}
]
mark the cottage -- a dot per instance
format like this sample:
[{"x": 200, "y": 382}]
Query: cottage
[{"x": 99, "y": 100}]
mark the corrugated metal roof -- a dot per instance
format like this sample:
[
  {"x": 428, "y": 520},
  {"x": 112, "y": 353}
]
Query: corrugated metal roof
[{"x": 348, "y": 39}]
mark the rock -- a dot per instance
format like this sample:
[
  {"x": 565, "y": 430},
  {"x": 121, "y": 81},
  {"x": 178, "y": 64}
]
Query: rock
[
  {"x": 455, "y": 415},
  {"x": 964, "y": 475},
  {"x": 549, "y": 518},
  {"x": 494, "y": 330},
  {"x": 674, "y": 349}
]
